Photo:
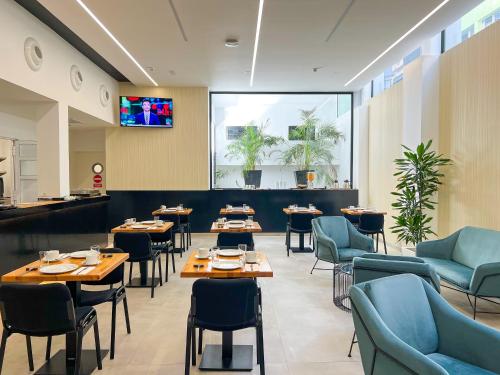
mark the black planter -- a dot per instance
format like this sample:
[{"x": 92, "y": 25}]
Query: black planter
[
  {"x": 252, "y": 178},
  {"x": 301, "y": 177}
]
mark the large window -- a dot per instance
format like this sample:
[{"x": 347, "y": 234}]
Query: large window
[{"x": 279, "y": 134}]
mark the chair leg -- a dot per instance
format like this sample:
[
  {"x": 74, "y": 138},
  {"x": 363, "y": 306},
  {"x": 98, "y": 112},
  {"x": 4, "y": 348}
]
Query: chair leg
[
  {"x": 187, "y": 362},
  {"x": 333, "y": 282},
  {"x": 166, "y": 266},
  {"x": 310, "y": 238},
  {"x": 352, "y": 344},
  {"x": 173, "y": 261},
  {"x": 130, "y": 273},
  {"x": 193, "y": 346},
  {"x": 78, "y": 359},
  {"x": 475, "y": 305},
  {"x": 2, "y": 347},
  {"x": 97, "y": 345},
  {"x": 262, "y": 362},
  {"x": 200, "y": 340},
  {"x": 159, "y": 270},
  {"x": 312, "y": 269},
  {"x": 377, "y": 243},
  {"x": 153, "y": 279},
  {"x": 49, "y": 345},
  {"x": 127, "y": 319},
  {"x": 30, "y": 353},
  {"x": 113, "y": 330},
  {"x": 189, "y": 233},
  {"x": 385, "y": 245},
  {"x": 287, "y": 243}
]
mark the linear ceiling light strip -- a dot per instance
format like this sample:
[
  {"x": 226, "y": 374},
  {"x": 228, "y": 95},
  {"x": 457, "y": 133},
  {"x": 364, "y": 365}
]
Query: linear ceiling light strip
[{"x": 256, "y": 45}]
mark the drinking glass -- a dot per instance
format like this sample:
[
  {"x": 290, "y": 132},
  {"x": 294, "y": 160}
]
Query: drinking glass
[
  {"x": 43, "y": 260},
  {"x": 250, "y": 218},
  {"x": 133, "y": 220},
  {"x": 214, "y": 253},
  {"x": 242, "y": 247},
  {"x": 156, "y": 218},
  {"x": 312, "y": 207},
  {"x": 96, "y": 249},
  {"x": 180, "y": 207},
  {"x": 228, "y": 206}
]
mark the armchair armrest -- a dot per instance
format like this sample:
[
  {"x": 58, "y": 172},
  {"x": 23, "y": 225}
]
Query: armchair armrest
[
  {"x": 358, "y": 240},
  {"x": 392, "y": 257},
  {"x": 441, "y": 249},
  {"x": 482, "y": 347},
  {"x": 486, "y": 280}
]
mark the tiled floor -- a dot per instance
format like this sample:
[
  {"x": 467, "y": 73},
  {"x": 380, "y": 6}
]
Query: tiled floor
[{"x": 304, "y": 333}]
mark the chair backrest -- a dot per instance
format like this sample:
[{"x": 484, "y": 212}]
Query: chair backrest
[
  {"x": 402, "y": 304},
  {"x": 138, "y": 245},
  {"x": 161, "y": 237},
  {"x": 173, "y": 218},
  {"x": 476, "y": 246},
  {"x": 370, "y": 267},
  {"x": 225, "y": 305},
  {"x": 230, "y": 216},
  {"x": 335, "y": 227},
  {"x": 115, "y": 276},
  {"x": 37, "y": 310},
  {"x": 234, "y": 239},
  {"x": 301, "y": 222},
  {"x": 371, "y": 222}
]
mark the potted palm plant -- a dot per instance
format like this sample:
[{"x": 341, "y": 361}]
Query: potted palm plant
[
  {"x": 251, "y": 146},
  {"x": 312, "y": 148},
  {"x": 418, "y": 179}
]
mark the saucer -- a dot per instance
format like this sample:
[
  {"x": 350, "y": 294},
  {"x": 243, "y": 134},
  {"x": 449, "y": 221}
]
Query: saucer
[
  {"x": 91, "y": 264},
  {"x": 201, "y": 258}
]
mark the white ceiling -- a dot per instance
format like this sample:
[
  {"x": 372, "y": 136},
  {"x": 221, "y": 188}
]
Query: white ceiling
[{"x": 292, "y": 43}]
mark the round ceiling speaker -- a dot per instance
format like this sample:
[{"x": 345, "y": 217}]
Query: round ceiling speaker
[
  {"x": 33, "y": 53},
  {"x": 76, "y": 77},
  {"x": 104, "y": 95}
]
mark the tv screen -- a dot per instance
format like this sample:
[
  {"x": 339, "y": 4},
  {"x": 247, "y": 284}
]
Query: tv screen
[{"x": 146, "y": 112}]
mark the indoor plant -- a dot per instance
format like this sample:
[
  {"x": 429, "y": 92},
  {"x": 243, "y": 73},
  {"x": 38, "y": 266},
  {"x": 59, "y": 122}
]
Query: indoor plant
[
  {"x": 418, "y": 179},
  {"x": 312, "y": 148},
  {"x": 251, "y": 147}
]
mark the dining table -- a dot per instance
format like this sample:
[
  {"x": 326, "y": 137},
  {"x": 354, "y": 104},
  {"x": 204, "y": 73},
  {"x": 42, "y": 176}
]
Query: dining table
[
  {"x": 178, "y": 213},
  {"x": 358, "y": 211},
  {"x": 143, "y": 227},
  {"x": 236, "y": 211},
  {"x": 63, "y": 362},
  {"x": 254, "y": 227},
  {"x": 226, "y": 357},
  {"x": 301, "y": 211}
]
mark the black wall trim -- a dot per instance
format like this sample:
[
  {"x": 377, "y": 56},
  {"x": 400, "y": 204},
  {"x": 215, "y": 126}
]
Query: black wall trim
[
  {"x": 268, "y": 204},
  {"x": 40, "y": 12}
]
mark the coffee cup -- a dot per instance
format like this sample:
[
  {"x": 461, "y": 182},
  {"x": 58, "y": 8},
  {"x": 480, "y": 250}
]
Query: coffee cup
[
  {"x": 203, "y": 252},
  {"x": 251, "y": 257},
  {"x": 163, "y": 207},
  {"x": 92, "y": 258},
  {"x": 51, "y": 255}
]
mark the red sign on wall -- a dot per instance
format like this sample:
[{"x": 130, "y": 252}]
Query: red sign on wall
[{"x": 97, "y": 181}]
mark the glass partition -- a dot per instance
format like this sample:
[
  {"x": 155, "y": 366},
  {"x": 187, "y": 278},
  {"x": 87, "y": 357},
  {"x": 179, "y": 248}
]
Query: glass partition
[{"x": 271, "y": 141}]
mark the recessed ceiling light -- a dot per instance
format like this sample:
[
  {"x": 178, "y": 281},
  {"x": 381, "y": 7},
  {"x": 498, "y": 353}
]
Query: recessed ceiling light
[
  {"x": 117, "y": 42},
  {"x": 256, "y": 44},
  {"x": 232, "y": 43},
  {"x": 398, "y": 41}
]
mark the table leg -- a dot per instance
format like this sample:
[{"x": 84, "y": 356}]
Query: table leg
[
  {"x": 301, "y": 248},
  {"x": 143, "y": 281},
  {"x": 227, "y": 357}
]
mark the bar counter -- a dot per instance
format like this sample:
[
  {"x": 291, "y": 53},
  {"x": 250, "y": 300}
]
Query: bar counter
[
  {"x": 206, "y": 204},
  {"x": 59, "y": 225}
]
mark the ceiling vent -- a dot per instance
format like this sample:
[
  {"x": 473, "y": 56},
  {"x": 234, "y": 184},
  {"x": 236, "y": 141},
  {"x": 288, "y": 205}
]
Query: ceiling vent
[
  {"x": 33, "y": 54},
  {"x": 76, "y": 77},
  {"x": 104, "y": 95}
]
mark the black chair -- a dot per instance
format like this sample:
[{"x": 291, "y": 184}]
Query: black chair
[
  {"x": 45, "y": 311},
  {"x": 298, "y": 223},
  {"x": 232, "y": 240},
  {"x": 113, "y": 295},
  {"x": 372, "y": 224},
  {"x": 164, "y": 243},
  {"x": 139, "y": 247},
  {"x": 181, "y": 226},
  {"x": 237, "y": 308},
  {"x": 354, "y": 219}
]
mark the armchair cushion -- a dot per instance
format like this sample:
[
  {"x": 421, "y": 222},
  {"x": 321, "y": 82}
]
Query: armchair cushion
[
  {"x": 451, "y": 271},
  {"x": 455, "y": 366},
  {"x": 347, "y": 254},
  {"x": 335, "y": 227}
]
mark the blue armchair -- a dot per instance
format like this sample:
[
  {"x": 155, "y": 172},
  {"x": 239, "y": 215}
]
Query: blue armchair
[
  {"x": 337, "y": 241},
  {"x": 405, "y": 327},
  {"x": 469, "y": 260}
]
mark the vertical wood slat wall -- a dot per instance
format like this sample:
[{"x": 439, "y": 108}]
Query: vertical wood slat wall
[
  {"x": 162, "y": 159},
  {"x": 470, "y": 132}
]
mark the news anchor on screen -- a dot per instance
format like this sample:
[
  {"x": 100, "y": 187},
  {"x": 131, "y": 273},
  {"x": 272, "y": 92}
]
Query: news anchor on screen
[{"x": 146, "y": 117}]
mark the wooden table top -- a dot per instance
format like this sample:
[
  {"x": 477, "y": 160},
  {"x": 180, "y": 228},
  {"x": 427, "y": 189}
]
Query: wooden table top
[
  {"x": 255, "y": 228},
  {"x": 359, "y": 211},
  {"x": 147, "y": 228},
  {"x": 21, "y": 275},
  {"x": 184, "y": 212},
  {"x": 261, "y": 269},
  {"x": 232, "y": 211},
  {"x": 307, "y": 211}
]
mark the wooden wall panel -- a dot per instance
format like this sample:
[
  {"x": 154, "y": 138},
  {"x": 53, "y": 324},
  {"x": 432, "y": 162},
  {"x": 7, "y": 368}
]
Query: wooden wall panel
[
  {"x": 470, "y": 132},
  {"x": 384, "y": 145},
  {"x": 162, "y": 159}
]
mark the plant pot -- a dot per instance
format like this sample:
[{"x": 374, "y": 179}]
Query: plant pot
[
  {"x": 409, "y": 251},
  {"x": 252, "y": 177},
  {"x": 301, "y": 177}
]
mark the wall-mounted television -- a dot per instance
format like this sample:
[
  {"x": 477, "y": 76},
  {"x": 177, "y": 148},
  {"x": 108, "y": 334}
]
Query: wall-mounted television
[{"x": 137, "y": 111}]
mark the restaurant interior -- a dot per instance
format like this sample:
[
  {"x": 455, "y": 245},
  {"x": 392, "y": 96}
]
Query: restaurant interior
[{"x": 250, "y": 186}]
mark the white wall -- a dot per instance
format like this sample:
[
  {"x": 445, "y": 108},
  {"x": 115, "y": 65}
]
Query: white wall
[{"x": 16, "y": 127}]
